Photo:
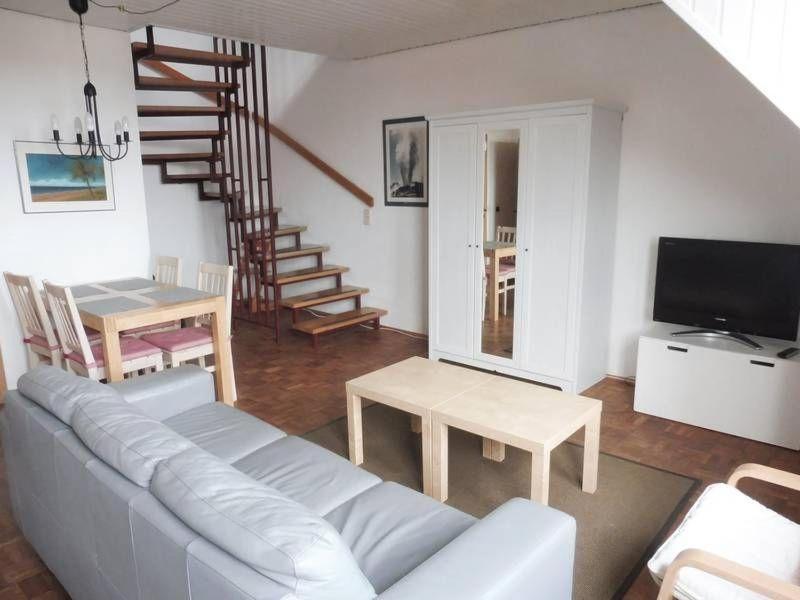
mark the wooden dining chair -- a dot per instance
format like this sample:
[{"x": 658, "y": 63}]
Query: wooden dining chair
[
  {"x": 85, "y": 359},
  {"x": 168, "y": 270},
  {"x": 508, "y": 269},
  {"x": 37, "y": 330},
  {"x": 196, "y": 343}
]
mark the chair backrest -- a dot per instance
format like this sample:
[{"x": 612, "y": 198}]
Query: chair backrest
[
  {"x": 68, "y": 322},
  {"x": 218, "y": 280},
  {"x": 505, "y": 234},
  {"x": 168, "y": 270},
  {"x": 30, "y": 308}
]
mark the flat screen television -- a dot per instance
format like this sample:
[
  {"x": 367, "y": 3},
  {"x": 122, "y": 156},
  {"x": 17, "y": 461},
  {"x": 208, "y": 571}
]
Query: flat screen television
[{"x": 738, "y": 287}]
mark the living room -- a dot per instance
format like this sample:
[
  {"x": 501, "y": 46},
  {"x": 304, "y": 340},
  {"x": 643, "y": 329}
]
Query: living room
[{"x": 699, "y": 143}]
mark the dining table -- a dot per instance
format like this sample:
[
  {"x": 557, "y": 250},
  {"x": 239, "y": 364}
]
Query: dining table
[
  {"x": 494, "y": 251},
  {"x": 112, "y": 307}
]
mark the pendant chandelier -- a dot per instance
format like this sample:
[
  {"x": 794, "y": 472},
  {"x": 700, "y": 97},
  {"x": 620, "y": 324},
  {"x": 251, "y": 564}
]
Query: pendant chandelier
[{"x": 92, "y": 146}]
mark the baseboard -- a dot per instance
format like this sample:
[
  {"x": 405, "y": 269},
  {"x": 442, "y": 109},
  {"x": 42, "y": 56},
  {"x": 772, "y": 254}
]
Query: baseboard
[{"x": 629, "y": 380}]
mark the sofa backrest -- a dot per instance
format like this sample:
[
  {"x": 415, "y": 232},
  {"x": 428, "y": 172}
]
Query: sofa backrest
[
  {"x": 102, "y": 533},
  {"x": 257, "y": 524}
]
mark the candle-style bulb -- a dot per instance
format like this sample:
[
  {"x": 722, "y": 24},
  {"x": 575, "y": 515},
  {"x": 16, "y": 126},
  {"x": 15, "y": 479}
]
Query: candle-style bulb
[
  {"x": 54, "y": 123},
  {"x": 78, "y": 126},
  {"x": 125, "y": 124},
  {"x": 117, "y": 128},
  {"x": 89, "y": 122}
]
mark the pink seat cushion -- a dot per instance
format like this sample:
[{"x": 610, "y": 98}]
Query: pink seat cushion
[
  {"x": 504, "y": 269},
  {"x": 130, "y": 348},
  {"x": 180, "y": 339},
  {"x": 92, "y": 334},
  {"x": 38, "y": 340}
]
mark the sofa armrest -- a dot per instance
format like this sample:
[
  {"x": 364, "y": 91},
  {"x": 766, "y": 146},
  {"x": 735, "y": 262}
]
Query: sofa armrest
[
  {"x": 169, "y": 392},
  {"x": 519, "y": 551}
]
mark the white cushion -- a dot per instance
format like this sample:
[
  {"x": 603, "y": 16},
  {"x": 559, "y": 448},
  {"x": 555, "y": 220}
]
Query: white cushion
[{"x": 730, "y": 524}]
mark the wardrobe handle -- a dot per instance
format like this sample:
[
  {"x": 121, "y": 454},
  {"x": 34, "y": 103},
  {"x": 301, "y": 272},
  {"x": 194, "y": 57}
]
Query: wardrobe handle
[
  {"x": 762, "y": 363},
  {"x": 677, "y": 349}
]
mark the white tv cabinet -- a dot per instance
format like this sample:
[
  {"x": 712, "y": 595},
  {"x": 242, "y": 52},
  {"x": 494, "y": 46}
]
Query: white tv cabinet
[{"x": 720, "y": 384}]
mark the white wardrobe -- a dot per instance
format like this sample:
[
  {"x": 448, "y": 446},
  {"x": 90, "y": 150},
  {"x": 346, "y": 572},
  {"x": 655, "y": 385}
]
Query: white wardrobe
[{"x": 554, "y": 277}]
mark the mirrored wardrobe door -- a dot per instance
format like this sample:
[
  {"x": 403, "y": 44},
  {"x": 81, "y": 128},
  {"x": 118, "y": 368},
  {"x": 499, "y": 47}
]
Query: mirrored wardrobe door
[{"x": 499, "y": 171}]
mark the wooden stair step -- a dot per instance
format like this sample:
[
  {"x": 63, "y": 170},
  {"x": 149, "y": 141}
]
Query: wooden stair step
[
  {"x": 282, "y": 231},
  {"x": 257, "y": 214},
  {"x": 179, "y": 111},
  {"x": 186, "y": 56},
  {"x": 328, "y": 323},
  {"x": 217, "y": 197},
  {"x": 323, "y": 297},
  {"x": 192, "y": 177},
  {"x": 307, "y": 274},
  {"x": 156, "y": 159},
  {"x": 200, "y": 134},
  {"x": 183, "y": 85},
  {"x": 287, "y": 253}
]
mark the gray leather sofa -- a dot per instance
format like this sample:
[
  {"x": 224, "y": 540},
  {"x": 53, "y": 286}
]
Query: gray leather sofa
[{"x": 150, "y": 490}]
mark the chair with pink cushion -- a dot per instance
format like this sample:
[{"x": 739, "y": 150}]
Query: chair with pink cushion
[
  {"x": 195, "y": 343},
  {"x": 508, "y": 268},
  {"x": 37, "y": 331},
  {"x": 85, "y": 359}
]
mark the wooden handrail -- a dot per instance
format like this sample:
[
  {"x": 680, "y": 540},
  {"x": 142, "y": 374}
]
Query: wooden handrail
[{"x": 278, "y": 133}]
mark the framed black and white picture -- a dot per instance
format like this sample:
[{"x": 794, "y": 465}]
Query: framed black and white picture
[
  {"x": 405, "y": 162},
  {"x": 50, "y": 182}
]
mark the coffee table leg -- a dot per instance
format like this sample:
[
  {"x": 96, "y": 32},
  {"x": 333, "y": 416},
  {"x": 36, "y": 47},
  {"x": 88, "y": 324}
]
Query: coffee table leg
[
  {"x": 591, "y": 454},
  {"x": 439, "y": 459},
  {"x": 494, "y": 450},
  {"x": 540, "y": 475},
  {"x": 427, "y": 453},
  {"x": 354, "y": 431}
]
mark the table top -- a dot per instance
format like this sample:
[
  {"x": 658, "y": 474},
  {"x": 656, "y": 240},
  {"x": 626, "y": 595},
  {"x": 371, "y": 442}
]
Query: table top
[
  {"x": 519, "y": 413},
  {"x": 416, "y": 384},
  {"x": 107, "y": 298},
  {"x": 493, "y": 245}
]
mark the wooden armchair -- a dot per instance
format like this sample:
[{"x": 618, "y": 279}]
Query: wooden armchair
[{"x": 734, "y": 572}]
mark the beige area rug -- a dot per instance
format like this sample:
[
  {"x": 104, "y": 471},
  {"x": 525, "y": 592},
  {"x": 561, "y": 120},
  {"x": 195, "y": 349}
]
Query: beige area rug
[{"x": 617, "y": 526}]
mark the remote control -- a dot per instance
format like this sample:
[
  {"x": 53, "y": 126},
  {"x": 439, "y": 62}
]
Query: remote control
[{"x": 789, "y": 352}]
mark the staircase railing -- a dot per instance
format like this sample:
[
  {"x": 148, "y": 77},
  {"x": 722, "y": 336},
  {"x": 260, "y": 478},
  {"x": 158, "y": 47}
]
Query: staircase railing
[{"x": 281, "y": 135}]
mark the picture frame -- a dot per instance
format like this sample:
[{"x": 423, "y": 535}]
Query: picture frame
[
  {"x": 405, "y": 162},
  {"x": 52, "y": 183}
]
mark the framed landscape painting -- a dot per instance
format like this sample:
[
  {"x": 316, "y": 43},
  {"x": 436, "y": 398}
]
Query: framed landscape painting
[
  {"x": 50, "y": 182},
  {"x": 405, "y": 162}
]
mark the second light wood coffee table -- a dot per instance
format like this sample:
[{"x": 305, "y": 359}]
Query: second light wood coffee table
[
  {"x": 416, "y": 385},
  {"x": 523, "y": 415}
]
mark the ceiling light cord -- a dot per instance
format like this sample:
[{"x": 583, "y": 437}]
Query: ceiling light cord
[{"x": 124, "y": 9}]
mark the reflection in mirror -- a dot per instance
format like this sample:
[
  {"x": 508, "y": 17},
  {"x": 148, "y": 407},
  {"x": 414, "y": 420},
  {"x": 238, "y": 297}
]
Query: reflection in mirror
[{"x": 501, "y": 168}]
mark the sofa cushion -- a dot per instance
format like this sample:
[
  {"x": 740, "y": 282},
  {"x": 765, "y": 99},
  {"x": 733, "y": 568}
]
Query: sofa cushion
[
  {"x": 730, "y": 524},
  {"x": 309, "y": 474},
  {"x": 260, "y": 526},
  {"x": 125, "y": 438},
  {"x": 391, "y": 529},
  {"x": 59, "y": 392},
  {"x": 225, "y": 432}
]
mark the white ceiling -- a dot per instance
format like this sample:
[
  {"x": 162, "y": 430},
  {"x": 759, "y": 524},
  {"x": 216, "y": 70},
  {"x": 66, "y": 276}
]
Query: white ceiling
[{"x": 337, "y": 28}]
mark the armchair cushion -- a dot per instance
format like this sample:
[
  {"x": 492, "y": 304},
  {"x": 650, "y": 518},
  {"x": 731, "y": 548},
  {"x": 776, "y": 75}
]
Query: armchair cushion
[{"x": 730, "y": 524}]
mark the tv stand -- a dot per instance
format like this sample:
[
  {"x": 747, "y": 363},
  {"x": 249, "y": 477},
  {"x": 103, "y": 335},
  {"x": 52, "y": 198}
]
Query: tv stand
[
  {"x": 720, "y": 384},
  {"x": 737, "y": 337}
]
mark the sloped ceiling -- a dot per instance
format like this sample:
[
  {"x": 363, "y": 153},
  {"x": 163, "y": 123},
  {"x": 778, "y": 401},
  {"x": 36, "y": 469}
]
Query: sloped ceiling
[{"x": 336, "y": 28}]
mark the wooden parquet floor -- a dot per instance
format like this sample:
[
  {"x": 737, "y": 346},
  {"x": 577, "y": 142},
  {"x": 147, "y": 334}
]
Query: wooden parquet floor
[{"x": 299, "y": 389}]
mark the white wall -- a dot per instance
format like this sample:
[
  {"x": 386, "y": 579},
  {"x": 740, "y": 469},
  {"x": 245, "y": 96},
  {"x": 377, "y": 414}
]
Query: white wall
[
  {"x": 41, "y": 70},
  {"x": 704, "y": 154},
  {"x": 181, "y": 225}
]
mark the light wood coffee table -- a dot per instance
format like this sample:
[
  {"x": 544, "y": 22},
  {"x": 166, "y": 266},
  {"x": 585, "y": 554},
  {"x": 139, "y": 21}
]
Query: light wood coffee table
[
  {"x": 523, "y": 415},
  {"x": 416, "y": 386}
]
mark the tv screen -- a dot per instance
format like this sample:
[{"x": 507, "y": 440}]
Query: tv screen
[{"x": 741, "y": 287}]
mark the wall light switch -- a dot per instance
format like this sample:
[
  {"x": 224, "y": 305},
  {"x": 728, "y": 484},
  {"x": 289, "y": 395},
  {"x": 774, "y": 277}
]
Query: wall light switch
[{"x": 367, "y": 216}]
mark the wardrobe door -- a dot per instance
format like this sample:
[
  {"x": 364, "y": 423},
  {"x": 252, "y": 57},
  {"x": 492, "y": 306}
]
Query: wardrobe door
[
  {"x": 453, "y": 240},
  {"x": 552, "y": 242}
]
